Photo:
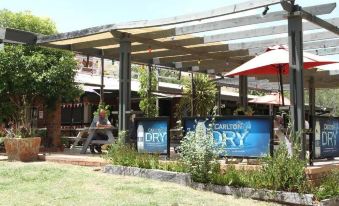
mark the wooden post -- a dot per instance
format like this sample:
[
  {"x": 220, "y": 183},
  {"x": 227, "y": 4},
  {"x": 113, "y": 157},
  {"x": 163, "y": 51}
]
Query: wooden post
[
  {"x": 295, "y": 45},
  {"x": 102, "y": 80},
  {"x": 311, "y": 121},
  {"x": 193, "y": 95},
  {"x": 243, "y": 89},
  {"x": 125, "y": 82}
]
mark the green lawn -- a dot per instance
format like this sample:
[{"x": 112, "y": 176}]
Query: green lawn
[{"x": 43, "y": 183}]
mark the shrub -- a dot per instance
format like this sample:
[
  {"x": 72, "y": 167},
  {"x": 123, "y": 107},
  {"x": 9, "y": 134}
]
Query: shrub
[
  {"x": 174, "y": 166},
  {"x": 123, "y": 154},
  {"x": 281, "y": 172},
  {"x": 198, "y": 152},
  {"x": 329, "y": 186},
  {"x": 231, "y": 177}
]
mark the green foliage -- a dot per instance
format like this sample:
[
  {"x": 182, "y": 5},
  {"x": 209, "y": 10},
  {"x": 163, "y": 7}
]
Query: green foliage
[
  {"x": 329, "y": 186},
  {"x": 328, "y": 98},
  {"x": 166, "y": 75},
  {"x": 102, "y": 106},
  {"x": 279, "y": 172},
  {"x": 123, "y": 154},
  {"x": 174, "y": 166},
  {"x": 148, "y": 101},
  {"x": 27, "y": 22},
  {"x": 204, "y": 98},
  {"x": 231, "y": 177},
  {"x": 198, "y": 152},
  {"x": 28, "y": 72},
  {"x": 256, "y": 92},
  {"x": 244, "y": 111},
  {"x": 283, "y": 172},
  {"x": 325, "y": 98}
]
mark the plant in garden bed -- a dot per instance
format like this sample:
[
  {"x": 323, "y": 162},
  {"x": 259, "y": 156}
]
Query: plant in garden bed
[
  {"x": 199, "y": 153},
  {"x": 279, "y": 172},
  {"x": 174, "y": 166},
  {"x": 203, "y": 97},
  {"x": 124, "y": 154},
  {"x": 329, "y": 186}
]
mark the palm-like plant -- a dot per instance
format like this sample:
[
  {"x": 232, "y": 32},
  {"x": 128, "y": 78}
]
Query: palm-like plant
[{"x": 203, "y": 97}]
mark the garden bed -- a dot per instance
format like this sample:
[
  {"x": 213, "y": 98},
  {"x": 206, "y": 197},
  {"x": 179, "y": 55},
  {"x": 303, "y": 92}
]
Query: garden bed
[
  {"x": 185, "y": 179},
  {"x": 162, "y": 175}
]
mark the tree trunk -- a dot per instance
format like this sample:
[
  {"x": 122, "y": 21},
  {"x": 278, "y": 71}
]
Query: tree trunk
[{"x": 53, "y": 125}]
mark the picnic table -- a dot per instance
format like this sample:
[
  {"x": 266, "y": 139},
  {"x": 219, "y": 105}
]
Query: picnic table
[{"x": 91, "y": 134}]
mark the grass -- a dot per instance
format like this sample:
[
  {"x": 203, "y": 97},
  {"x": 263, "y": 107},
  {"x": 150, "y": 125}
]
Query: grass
[{"x": 43, "y": 183}]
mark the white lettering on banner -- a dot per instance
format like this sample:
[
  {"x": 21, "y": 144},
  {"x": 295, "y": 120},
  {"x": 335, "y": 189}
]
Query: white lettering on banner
[
  {"x": 329, "y": 138},
  {"x": 234, "y": 126},
  {"x": 155, "y": 137},
  {"x": 230, "y": 137},
  {"x": 234, "y": 134}
]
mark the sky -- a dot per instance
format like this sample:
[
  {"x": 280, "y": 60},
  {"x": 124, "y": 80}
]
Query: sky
[{"x": 70, "y": 15}]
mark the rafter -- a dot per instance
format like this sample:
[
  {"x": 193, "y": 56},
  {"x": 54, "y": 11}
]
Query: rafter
[
  {"x": 248, "y": 20},
  {"x": 261, "y": 32}
]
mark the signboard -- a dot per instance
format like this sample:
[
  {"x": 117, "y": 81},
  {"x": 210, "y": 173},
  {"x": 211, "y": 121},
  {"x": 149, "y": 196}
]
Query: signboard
[
  {"x": 239, "y": 136},
  {"x": 41, "y": 114},
  {"x": 153, "y": 135},
  {"x": 326, "y": 137}
]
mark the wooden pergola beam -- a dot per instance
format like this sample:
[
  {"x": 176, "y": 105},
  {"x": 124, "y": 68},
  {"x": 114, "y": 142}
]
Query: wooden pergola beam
[
  {"x": 167, "y": 45},
  {"x": 17, "y": 36},
  {"x": 248, "y": 20},
  {"x": 261, "y": 32},
  {"x": 255, "y": 47},
  {"x": 325, "y": 51},
  {"x": 318, "y": 21},
  {"x": 231, "y": 9}
]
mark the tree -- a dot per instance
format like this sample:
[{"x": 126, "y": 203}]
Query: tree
[
  {"x": 27, "y": 22},
  {"x": 148, "y": 100},
  {"x": 28, "y": 72},
  {"x": 328, "y": 98},
  {"x": 203, "y": 98}
]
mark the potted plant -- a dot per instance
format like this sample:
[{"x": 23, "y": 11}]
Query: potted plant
[
  {"x": 22, "y": 145},
  {"x": 248, "y": 111}
]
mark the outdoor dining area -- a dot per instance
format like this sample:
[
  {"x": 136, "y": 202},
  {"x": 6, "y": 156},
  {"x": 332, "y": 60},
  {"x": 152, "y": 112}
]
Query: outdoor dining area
[
  {"x": 274, "y": 55},
  {"x": 170, "y": 44}
]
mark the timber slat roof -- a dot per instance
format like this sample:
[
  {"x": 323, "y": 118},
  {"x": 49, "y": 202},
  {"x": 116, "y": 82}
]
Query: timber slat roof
[{"x": 187, "y": 39}]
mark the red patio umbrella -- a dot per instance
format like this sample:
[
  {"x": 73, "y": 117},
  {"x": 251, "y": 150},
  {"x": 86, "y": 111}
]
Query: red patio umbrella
[
  {"x": 276, "y": 61},
  {"x": 274, "y": 98}
]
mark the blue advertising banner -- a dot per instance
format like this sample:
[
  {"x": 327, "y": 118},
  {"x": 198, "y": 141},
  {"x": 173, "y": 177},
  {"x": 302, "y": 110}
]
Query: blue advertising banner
[
  {"x": 152, "y": 135},
  {"x": 326, "y": 137},
  {"x": 239, "y": 136}
]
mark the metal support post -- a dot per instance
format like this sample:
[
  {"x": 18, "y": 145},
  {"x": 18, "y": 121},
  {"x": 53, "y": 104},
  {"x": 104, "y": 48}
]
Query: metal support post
[
  {"x": 243, "y": 89},
  {"x": 311, "y": 121},
  {"x": 149, "y": 85},
  {"x": 295, "y": 44},
  {"x": 218, "y": 99},
  {"x": 102, "y": 80},
  {"x": 193, "y": 96},
  {"x": 125, "y": 82}
]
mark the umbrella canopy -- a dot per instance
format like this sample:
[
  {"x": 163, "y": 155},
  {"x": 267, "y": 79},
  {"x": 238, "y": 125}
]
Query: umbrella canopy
[
  {"x": 274, "y": 59},
  {"x": 274, "y": 98}
]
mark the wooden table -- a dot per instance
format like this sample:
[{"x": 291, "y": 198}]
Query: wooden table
[{"x": 91, "y": 132}]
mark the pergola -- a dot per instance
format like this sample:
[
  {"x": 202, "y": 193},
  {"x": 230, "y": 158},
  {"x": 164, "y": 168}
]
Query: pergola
[{"x": 172, "y": 43}]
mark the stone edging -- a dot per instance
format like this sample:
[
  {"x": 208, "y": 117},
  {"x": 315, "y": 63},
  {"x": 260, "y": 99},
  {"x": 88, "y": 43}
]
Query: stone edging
[
  {"x": 167, "y": 176},
  {"x": 330, "y": 202},
  {"x": 185, "y": 179},
  {"x": 259, "y": 194}
]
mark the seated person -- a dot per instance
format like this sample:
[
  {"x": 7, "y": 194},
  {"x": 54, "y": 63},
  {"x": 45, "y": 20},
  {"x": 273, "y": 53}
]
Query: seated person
[{"x": 102, "y": 122}]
